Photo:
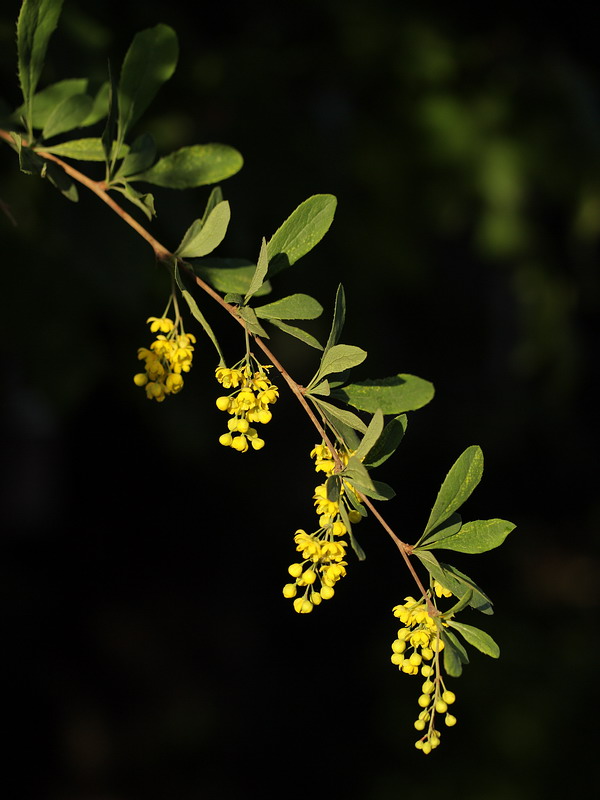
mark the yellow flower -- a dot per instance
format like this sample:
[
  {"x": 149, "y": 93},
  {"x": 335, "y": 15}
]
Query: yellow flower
[
  {"x": 167, "y": 357},
  {"x": 418, "y": 641},
  {"x": 247, "y": 404},
  {"x": 163, "y": 324}
]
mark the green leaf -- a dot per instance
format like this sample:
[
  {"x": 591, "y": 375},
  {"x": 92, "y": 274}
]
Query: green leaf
[
  {"x": 461, "y": 480},
  {"x": 462, "y": 603},
  {"x": 109, "y": 135},
  {"x": 302, "y": 230},
  {"x": 333, "y": 487},
  {"x": 360, "y": 553},
  {"x": 358, "y": 476},
  {"x": 149, "y": 62},
  {"x": 322, "y": 389},
  {"x": 99, "y": 107},
  {"x": 347, "y": 417},
  {"x": 145, "y": 202},
  {"x": 68, "y": 115},
  {"x": 262, "y": 265},
  {"x": 338, "y": 358},
  {"x": 356, "y": 504},
  {"x": 297, "y": 333},
  {"x": 197, "y": 165},
  {"x": 81, "y": 149},
  {"x": 29, "y": 161},
  {"x": 477, "y": 638},
  {"x": 215, "y": 197},
  {"x": 36, "y": 24},
  {"x": 371, "y": 436},
  {"x": 59, "y": 178},
  {"x": 196, "y": 313},
  {"x": 44, "y": 102},
  {"x": 139, "y": 157},
  {"x": 455, "y": 581},
  {"x": 294, "y": 306},
  {"x": 201, "y": 237},
  {"x": 449, "y": 527},
  {"x": 339, "y": 317},
  {"x": 478, "y": 536},
  {"x": 33, "y": 164},
  {"x": 193, "y": 306},
  {"x": 393, "y": 395},
  {"x": 455, "y": 654},
  {"x": 386, "y": 445},
  {"x": 252, "y": 324},
  {"x": 227, "y": 274}
]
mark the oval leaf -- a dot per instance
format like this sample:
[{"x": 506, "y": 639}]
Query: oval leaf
[
  {"x": 297, "y": 333},
  {"x": 371, "y": 436},
  {"x": 202, "y": 238},
  {"x": 386, "y": 445},
  {"x": 228, "y": 274},
  {"x": 478, "y": 536},
  {"x": 394, "y": 395},
  {"x": 346, "y": 417},
  {"x": 197, "y": 165},
  {"x": 36, "y": 24},
  {"x": 339, "y": 358},
  {"x": 295, "y": 306},
  {"x": 149, "y": 62},
  {"x": 448, "y": 527},
  {"x": 461, "y": 480},
  {"x": 68, "y": 115},
  {"x": 45, "y": 101},
  {"x": 82, "y": 149},
  {"x": 454, "y": 580},
  {"x": 262, "y": 265},
  {"x": 302, "y": 230},
  {"x": 141, "y": 154},
  {"x": 477, "y": 638}
]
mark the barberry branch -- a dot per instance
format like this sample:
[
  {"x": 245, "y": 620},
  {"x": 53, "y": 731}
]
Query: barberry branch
[{"x": 100, "y": 189}]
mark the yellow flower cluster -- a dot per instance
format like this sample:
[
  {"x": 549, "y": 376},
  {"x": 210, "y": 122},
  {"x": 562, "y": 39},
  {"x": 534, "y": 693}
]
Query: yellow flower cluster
[
  {"x": 416, "y": 650},
  {"x": 169, "y": 355},
  {"x": 324, "y": 551},
  {"x": 248, "y": 404}
]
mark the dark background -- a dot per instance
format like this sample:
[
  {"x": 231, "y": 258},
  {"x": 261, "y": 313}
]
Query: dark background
[{"x": 148, "y": 650}]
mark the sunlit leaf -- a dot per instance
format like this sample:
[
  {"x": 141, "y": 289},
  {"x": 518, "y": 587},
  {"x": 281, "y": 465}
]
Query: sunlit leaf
[
  {"x": 297, "y": 333},
  {"x": 81, "y": 149},
  {"x": 36, "y": 24},
  {"x": 67, "y": 115},
  {"x": 295, "y": 306},
  {"x": 302, "y": 230},
  {"x": 149, "y": 62},
  {"x": 393, "y": 395},
  {"x": 197, "y": 165},
  {"x": 202, "y": 237},
  {"x": 461, "y": 480},
  {"x": 262, "y": 265},
  {"x": 386, "y": 445},
  {"x": 477, "y": 536},
  {"x": 477, "y": 638}
]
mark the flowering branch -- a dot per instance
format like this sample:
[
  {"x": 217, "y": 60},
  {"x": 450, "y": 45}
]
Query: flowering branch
[{"x": 350, "y": 449}]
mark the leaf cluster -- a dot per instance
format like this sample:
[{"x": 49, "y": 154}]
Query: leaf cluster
[{"x": 50, "y": 121}]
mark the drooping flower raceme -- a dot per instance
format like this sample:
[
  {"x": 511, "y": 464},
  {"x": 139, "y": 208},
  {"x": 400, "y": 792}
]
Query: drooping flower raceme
[
  {"x": 416, "y": 651},
  {"x": 168, "y": 356},
  {"x": 247, "y": 404},
  {"x": 323, "y": 552}
]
